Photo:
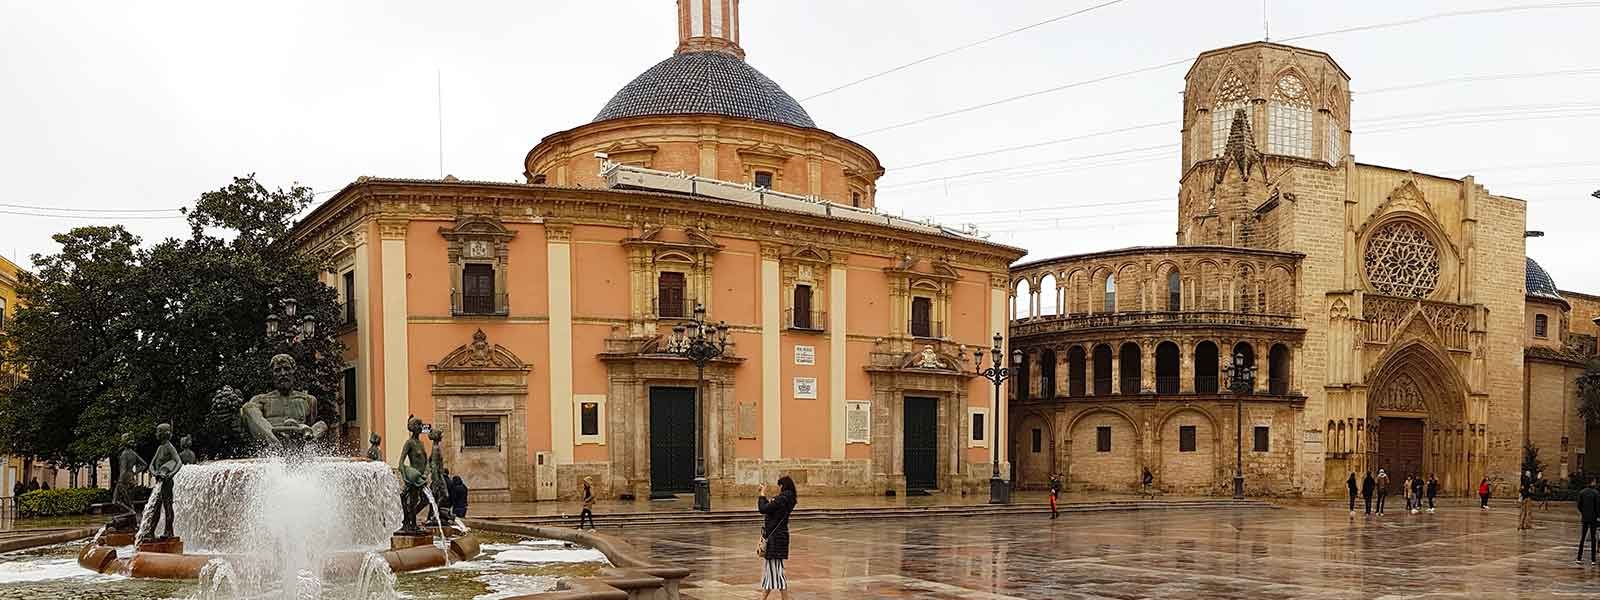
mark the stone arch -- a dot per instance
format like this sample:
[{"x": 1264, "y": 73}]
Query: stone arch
[
  {"x": 1280, "y": 291},
  {"x": 1034, "y": 464},
  {"x": 1244, "y": 288},
  {"x": 1168, "y": 367},
  {"x": 1101, "y": 358},
  {"x": 1115, "y": 469},
  {"x": 1280, "y": 369},
  {"x": 1078, "y": 292},
  {"x": 1077, "y": 370},
  {"x": 1206, "y": 366},
  {"x": 1022, "y": 299},
  {"x": 1415, "y": 374},
  {"x": 1206, "y": 288},
  {"x": 1169, "y": 279},
  {"x": 1130, "y": 283},
  {"x": 1049, "y": 295},
  {"x": 1193, "y": 470}
]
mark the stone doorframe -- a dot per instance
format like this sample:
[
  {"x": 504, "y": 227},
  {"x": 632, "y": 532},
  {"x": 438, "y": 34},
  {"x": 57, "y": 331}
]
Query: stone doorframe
[
  {"x": 480, "y": 381},
  {"x": 629, "y": 380},
  {"x": 890, "y": 387}
]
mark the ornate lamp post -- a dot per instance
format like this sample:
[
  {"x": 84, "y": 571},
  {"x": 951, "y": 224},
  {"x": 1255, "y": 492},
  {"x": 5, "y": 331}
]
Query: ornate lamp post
[
  {"x": 701, "y": 343},
  {"x": 1241, "y": 381},
  {"x": 999, "y": 489},
  {"x": 303, "y": 328}
]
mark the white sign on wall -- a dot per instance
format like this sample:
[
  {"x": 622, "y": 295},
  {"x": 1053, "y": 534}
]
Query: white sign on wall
[
  {"x": 858, "y": 422},
  {"x": 805, "y": 355},
  {"x": 805, "y": 388}
]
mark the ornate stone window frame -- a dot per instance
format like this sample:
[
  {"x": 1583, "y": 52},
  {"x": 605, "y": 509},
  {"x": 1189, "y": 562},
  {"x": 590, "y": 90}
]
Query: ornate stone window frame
[
  {"x": 764, "y": 157},
  {"x": 649, "y": 256},
  {"x": 478, "y": 239},
  {"x": 599, "y": 438},
  {"x": 479, "y": 381},
  {"x": 807, "y": 265},
  {"x": 906, "y": 283},
  {"x": 631, "y": 152},
  {"x": 1406, "y": 204}
]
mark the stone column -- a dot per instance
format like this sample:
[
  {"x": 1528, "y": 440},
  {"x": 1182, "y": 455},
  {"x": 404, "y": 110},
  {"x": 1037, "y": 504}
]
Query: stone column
[
  {"x": 771, "y": 365},
  {"x": 558, "y": 248},
  {"x": 1116, "y": 370},
  {"x": 1147, "y": 366},
  {"x": 396, "y": 380}
]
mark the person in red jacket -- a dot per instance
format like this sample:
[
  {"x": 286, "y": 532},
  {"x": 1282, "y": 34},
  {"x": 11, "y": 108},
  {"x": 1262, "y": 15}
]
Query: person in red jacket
[{"x": 1483, "y": 494}]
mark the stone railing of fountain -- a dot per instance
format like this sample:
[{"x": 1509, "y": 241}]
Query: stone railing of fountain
[{"x": 632, "y": 576}]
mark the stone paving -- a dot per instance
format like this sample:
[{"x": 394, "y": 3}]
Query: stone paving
[{"x": 1307, "y": 552}]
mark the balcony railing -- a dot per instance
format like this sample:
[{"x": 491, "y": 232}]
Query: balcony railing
[
  {"x": 497, "y": 304},
  {"x": 927, "y": 329},
  {"x": 1278, "y": 386},
  {"x": 1057, "y": 323},
  {"x": 1102, "y": 386},
  {"x": 1205, "y": 384},
  {"x": 805, "y": 320},
  {"x": 1168, "y": 385},
  {"x": 664, "y": 309},
  {"x": 1130, "y": 385}
]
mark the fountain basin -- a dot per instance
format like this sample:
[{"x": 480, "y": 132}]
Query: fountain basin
[{"x": 339, "y": 566}]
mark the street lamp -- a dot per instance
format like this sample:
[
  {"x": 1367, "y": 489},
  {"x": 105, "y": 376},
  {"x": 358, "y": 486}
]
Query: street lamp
[
  {"x": 701, "y": 343},
  {"x": 1241, "y": 381},
  {"x": 303, "y": 328},
  {"x": 999, "y": 489}
]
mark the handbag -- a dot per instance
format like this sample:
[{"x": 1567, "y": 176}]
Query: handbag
[{"x": 761, "y": 547}]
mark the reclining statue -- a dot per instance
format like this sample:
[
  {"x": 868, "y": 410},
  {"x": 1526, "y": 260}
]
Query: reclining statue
[{"x": 277, "y": 416}]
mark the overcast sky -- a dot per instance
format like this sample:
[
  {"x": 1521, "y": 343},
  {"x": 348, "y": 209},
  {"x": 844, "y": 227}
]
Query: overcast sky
[{"x": 144, "y": 105}]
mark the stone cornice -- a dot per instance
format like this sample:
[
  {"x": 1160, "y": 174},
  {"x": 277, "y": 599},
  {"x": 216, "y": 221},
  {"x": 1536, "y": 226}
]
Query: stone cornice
[
  {"x": 1137, "y": 251},
  {"x": 410, "y": 200}
]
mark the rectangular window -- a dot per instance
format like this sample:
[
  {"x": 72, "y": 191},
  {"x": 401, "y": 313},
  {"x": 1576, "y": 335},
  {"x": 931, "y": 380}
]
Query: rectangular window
[
  {"x": 349, "y": 394},
  {"x": 1333, "y": 135},
  {"x": 1186, "y": 438},
  {"x": 922, "y": 317},
  {"x": 589, "y": 418},
  {"x": 477, "y": 289},
  {"x": 1290, "y": 129},
  {"x": 977, "y": 427},
  {"x": 1541, "y": 326},
  {"x": 1102, "y": 439},
  {"x": 855, "y": 199},
  {"x": 802, "y": 307},
  {"x": 1261, "y": 439},
  {"x": 1038, "y": 440},
  {"x": 349, "y": 296},
  {"x": 480, "y": 434},
  {"x": 764, "y": 179},
  {"x": 670, "y": 299},
  {"x": 1222, "y": 122}
]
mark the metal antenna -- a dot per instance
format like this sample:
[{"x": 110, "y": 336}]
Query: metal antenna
[
  {"x": 438, "y": 82},
  {"x": 1266, "y": 32}
]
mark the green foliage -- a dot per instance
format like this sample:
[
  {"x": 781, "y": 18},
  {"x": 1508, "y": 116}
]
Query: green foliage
[
  {"x": 58, "y": 502},
  {"x": 117, "y": 337},
  {"x": 1530, "y": 460},
  {"x": 1589, "y": 392}
]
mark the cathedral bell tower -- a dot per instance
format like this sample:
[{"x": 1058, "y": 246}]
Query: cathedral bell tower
[{"x": 709, "y": 25}]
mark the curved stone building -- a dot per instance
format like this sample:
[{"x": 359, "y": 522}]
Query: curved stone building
[
  {"x": 533, "y": 320},
  {"x": 1382, "y": 308}
]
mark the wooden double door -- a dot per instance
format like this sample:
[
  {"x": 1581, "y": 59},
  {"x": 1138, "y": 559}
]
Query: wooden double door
[{"x": 1400, "y": 448}]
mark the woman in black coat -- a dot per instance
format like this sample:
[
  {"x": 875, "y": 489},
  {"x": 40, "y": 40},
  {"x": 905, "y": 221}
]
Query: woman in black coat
[
  {"x": 775, "y": 530},
  {"x": 458, "y": 497}
]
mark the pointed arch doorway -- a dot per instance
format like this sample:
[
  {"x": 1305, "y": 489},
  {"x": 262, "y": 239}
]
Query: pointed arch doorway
[{"x": 1417, "y": 411}]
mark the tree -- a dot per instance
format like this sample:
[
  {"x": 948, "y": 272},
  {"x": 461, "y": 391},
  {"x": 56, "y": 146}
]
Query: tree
[
  {"x": 117, "y": 337},
  {"x": 1589, "y": 392},
  {"x": 1530, "y": 460}
]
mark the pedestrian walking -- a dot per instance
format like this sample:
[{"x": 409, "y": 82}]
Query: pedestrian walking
[
  {"x": 1055, "y": 492},
  {"x": 1433, "y": 490},
  {"x": 1483, "y": 494},
  {"x": 1416, "y": 493},
  {"x": 588, "y": 504},
  {"x": 1589, "y": 513},
  {"x": 458, "y": 497},
  {"x": 1383, "y": 489},
  {"x": 1525, "y": 501},
  {"x": 1541, "y": 492},
  {"x": 774, "y": 545},
  {"x": 1367, "y": 485},
  {"x": 1405, "y": 488},
  {"x": 1351, "y": 484}
]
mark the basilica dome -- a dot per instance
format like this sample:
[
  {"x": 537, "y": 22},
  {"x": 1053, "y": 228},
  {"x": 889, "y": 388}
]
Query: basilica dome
[
  {"x": 1539, "y": 284},
  {"x": 706, "y": 82}
]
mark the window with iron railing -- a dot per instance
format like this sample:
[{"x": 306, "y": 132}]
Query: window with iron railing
[
  {"x": 1205, "y": 384},
  {"x": 1168, "y": 385},
  {"x": 477, "y": 289},
  {"x": 671, "y": 301},
  {"x": 1278, "y": 386},
  {"x": 810, "y": 320},
  {"x": 922, "y": 324},
  {"x": 1130, "y": 384}
]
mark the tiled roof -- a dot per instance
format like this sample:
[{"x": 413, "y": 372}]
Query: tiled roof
[
  {"x": 1539, "y": 284},
  {"x": 705, "y": 83}
]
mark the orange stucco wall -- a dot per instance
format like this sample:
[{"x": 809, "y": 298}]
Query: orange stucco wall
[{"x": 805, "y": 430}]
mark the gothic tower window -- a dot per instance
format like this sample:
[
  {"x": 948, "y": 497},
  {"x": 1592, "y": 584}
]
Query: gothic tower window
[
  {"x": 1333, "y": 140},
  {"x": 1231, "y": 95},
  {"x": 1289, "y": 118},
  {"x": 1111, "y": 293}
]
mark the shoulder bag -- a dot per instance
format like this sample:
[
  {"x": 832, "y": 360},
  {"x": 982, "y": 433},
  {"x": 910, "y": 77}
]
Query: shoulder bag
[{"x": 761, "y": 547}]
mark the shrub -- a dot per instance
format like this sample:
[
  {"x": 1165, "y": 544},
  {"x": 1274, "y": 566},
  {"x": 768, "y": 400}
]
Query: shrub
[{"x": 63, "y": 501}]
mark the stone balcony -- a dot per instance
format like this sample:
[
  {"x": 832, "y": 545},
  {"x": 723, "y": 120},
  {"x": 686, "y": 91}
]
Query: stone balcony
[{"x": 1055, "y": 324}]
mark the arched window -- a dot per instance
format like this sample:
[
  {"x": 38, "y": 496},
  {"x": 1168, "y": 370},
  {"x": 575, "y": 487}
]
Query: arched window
[
  {"x": 1289, "y": 118},
  {"x": 1111, "y": 293},
  {"x": 1278, "y": 370},
  {"x": 1205, "y": 368},
  {"x": 1022, "y": 304},
  {"x": 1076, "y": 369},
  {"x": 1102, "y": 370},
  {"x": 1231, "y": 95},
  {"x": 1174, "y": 291},
  {"x": 1130, "y": 368},
  {"x": 1020, "y": 389},
  {"x": 1244, "y": 290},
  {"x": 1167, "y": 366},
  {"x": 1049, "y": 296},
  {"x": 1247, "y": 351},
  {"x": 1047, "y": 374}
]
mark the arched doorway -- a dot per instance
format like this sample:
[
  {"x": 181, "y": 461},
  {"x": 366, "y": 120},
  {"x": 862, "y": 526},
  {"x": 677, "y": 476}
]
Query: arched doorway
[
  {"x": 1033, "y": 449},
  {"x": 1416, "y": 410}
]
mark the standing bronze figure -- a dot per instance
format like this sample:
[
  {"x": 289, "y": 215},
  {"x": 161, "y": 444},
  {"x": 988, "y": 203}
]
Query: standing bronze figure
[
  {"x": 185, "y": 453},
  {"x": 130, "y": 465},
  {"x": 413, "y": 467},
  {"x": 438, "y": 479},
  {"x": 374, "y": 453},
  {"x": 163, "y": 466}
]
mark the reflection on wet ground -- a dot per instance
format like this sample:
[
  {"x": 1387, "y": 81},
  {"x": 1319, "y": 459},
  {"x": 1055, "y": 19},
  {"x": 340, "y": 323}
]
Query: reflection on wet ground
[{"x": 1299, "y": 553}]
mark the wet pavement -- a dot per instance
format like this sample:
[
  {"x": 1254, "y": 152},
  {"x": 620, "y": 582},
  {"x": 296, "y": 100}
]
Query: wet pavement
[{"x": 1305, "y": 552}]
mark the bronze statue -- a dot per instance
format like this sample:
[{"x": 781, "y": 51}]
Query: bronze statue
[
  {"x": 374, "y": 453},
  {"x": 266, "y": 415},
  {"x": 163, "y": 466},
  {"x": 412, "y": 467},
  {"x": 186, "y": 454},
  {"x": 130, "y": 464},
  {"x": 438, "y": 478}
]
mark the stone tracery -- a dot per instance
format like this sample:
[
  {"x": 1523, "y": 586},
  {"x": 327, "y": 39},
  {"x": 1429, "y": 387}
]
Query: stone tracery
[{"x": 1402, "y": 261}]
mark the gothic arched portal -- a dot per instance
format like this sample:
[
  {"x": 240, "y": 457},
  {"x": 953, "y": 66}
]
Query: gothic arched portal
[{"x": 1416, "y": 408}]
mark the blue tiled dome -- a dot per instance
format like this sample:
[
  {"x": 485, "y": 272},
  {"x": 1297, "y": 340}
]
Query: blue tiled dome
[
  {"x": 705, "y": 83},
  {"x": 1539, "y": 284}
]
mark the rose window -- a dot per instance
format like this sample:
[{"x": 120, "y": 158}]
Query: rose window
[{"x": 1402, "y": 261}]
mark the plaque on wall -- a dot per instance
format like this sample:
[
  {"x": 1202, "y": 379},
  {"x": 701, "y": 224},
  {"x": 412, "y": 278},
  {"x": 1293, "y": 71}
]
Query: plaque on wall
[
  {"x": 805, "y": 388},
  {"x": 805, "y": 355},
  {"x": 747, "y": 420},
  {"x": 858, "y": 422}
]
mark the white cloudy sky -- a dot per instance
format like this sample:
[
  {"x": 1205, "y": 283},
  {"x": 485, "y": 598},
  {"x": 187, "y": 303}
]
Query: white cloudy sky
[{"x": 143, "y": 105}]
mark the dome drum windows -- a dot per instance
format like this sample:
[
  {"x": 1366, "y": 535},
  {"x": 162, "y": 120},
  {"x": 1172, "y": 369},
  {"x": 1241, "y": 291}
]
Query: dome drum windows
[
  {"x": 1289, "y": 118},
  {"x": 1231, "y": 96}
]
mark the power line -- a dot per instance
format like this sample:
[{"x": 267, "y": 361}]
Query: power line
[
  {"x": 1447, "y": 15},
  {"x": 1043, "y": 208},
  {"x": 93, "y": 217},
  {"x": 1027, "y": 165},
  {"x": 1478, "y": 78},
  {"x": 1030, "y": 146},
  {"x": 91, "y": 210},
  {"x": 958, "y": 49}
]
